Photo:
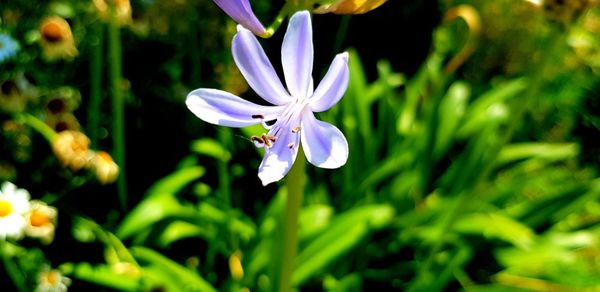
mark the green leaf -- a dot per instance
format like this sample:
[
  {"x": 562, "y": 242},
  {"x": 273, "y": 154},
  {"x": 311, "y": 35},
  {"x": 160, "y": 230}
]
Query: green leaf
[
  {"x": 104, "y": 275},
  {"x": 498, "y": 226},
  {"x": 212, "y": 148},
  {"x": 490, "y": 106},
  {"x": 344, "y": 233},
  {"x": 313, "y": 219},
  {"x": 451, "y": 110},
  {"x": 178, "y": 230},
  {"x": 174, "y": 182},
  {"x": 149, "y": 212},
  {"x": 187, "y": 279},
  {"x": 546, "y": 151}
]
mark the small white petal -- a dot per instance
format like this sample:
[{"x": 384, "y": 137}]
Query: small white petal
[
  {"x": 297, "y": 54},
  {"x": 223, "y": 108},
  {"x": 257, "y": 69},
  {"x": 279, "y": 158},
  {"x": 324, "y": 145},
  {"x": 333, "y": 86}
]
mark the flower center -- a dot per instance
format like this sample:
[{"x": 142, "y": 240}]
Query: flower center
[
  {"x": 105, "y": 157},
  {"x": 288, "y": 120},
  {"x": 6, "y": 208},
  {"x": 52, "y": 32},
  {"x": 52, "y": 278},
  {"x": 38, "y": 219}
]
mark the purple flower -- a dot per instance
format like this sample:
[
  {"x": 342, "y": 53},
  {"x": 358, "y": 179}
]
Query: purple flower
[
  {"x": 241, "y": 12},
  {"x": 324, "y": 145}
]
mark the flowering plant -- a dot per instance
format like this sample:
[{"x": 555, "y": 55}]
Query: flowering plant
[{"x": 324, "y": 145}]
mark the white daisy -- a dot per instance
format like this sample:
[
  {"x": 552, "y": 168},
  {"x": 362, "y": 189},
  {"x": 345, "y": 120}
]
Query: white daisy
[
  {"x": 52, "y": 281},
  {"x": 14, "y": 203}
]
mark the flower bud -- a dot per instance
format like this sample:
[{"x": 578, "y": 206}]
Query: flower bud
[
  {"x": 57, "y": 39},
  {"x": 349, "y": 6},
  {"x": 72, "y": 149}
]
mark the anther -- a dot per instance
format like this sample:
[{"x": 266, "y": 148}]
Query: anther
[
  {"x": 258, "y": 141},
  {"x": 296, "y": 129},
  {"x": 259, "y": 116},
  {"x": 291, "y": 145},
  {"x": 266, "y": 140}
]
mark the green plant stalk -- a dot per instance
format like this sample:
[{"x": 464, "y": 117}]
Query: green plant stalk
[
  {"x": 223, "y": 171},
  {"x": 195, "y": 51},
  {"x": 427, "y": 162},
  {"x": 271, "y": 29},
  {"x": 42, "y": 128},
  {"x": 11, "y": 269},
  {"x": 341, "y": 33},
  {"x": 289, "y": 244},
  {"x": 95, "y": 83},
  {"x": 118, "y": 135}
]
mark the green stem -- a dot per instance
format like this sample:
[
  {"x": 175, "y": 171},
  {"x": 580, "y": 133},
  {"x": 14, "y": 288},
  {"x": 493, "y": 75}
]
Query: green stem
[
  {"x": 223, "y": 172},
  {"x": 341, "y": 33},
  {"x": 289, "y": 245},
  {"x": 11, "y": 268},
  {"x": 432, "y": 109},
  {"x": 195, "y": 51},
  {"x": 271, "y": 29},
  {"x": 115, "y": 78},
  {"x": 39, "y": 126},
  {"x": 111, "y": 241},
  {"x": 95, "y": 83}
]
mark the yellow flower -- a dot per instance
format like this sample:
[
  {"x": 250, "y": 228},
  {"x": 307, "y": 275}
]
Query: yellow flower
[
  {"x": 41, "y": 221},
  {"x": 62, "y": 122},
  {"x": 16, "y": 93},
  {"x": 72, "y": 149},
  {"x": 235, "y": 266},
  {"x": 349, "y": 6},
  {"x": 104, "y": 167},
  {"x": 122, "y": 10},
  {"x": 52, "y": 281},
  {"x": 57, "y": 39}
]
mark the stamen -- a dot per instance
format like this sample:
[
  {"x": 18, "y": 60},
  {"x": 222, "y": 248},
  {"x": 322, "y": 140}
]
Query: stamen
[
  {"x": 258, "y": 142},
  {"x": 266, "y": 140},
  {"x": 272, "y": 138},
  {"x": 296, "y": 129},
  {"x": 259, "y": 116},
  {"x": 291, "y": 145}
]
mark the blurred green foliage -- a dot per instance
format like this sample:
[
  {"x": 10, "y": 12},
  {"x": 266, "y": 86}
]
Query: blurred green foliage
[{"x": 479, "y": 177}]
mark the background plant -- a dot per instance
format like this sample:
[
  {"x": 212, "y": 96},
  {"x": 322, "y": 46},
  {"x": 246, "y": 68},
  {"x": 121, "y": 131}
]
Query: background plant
[{"x": 473, "y": 163}]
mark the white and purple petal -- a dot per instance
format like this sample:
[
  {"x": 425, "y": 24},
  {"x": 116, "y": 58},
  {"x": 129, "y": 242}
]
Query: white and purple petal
[
  {"x": 297, "y": 54},
  {"x": 279, "y": 158},
  {"x": 333, "y": 86},
  {"x": 257, "y": 69},
  {"x": 324, "y": 145},
  {"x": 225, "y": 109},
  {"x": 241, "y": 12}
]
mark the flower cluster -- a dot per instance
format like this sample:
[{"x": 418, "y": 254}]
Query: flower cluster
[
  {"x": 72, "y": 149},
  {"x": 290, "y": 120},
  {"x": 21, "y": 216}
]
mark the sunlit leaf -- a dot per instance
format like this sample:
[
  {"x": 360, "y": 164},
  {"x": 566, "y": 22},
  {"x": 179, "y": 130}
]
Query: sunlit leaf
[
  {"x": 187, "y": 279},
  {"x": 211, "y": 148},
  {"x": 498, "y": 226},
  {"x": 344, "y": 233}
]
